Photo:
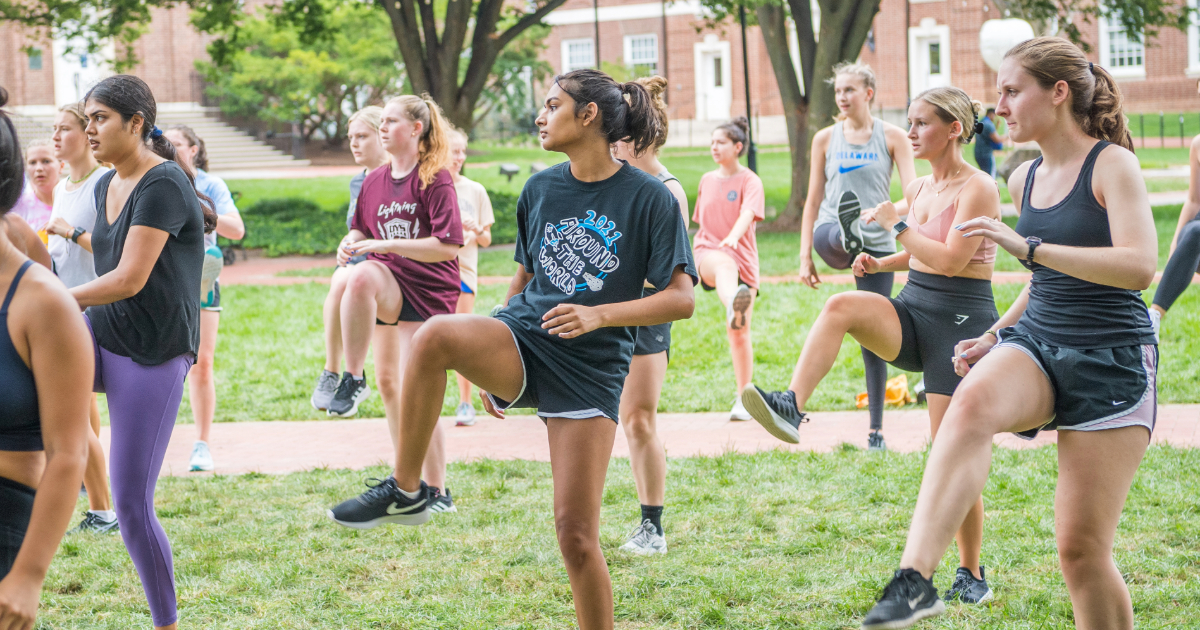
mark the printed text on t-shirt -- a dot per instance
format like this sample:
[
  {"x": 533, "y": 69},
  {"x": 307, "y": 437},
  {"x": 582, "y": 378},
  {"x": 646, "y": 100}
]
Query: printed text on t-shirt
[{"x": 578, "y": 255}]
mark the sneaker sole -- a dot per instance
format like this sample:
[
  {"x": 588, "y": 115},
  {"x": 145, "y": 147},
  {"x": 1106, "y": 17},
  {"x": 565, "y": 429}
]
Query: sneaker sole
[
  {"x": 764, "y": 415},
  {"x": 195, "y": 468},
  {"x": 987, "y": 597},
  {"x": 353, "y": 410},
  {"x": 642, "y": 551},
  {"x": 419, "y": 518},
  {"x": 313, "y": 401},
  {"x": 938, "y": 608},
  {"x": 464, "y": 423},
  {"x": 449, "y": 510},
  {"x": 741, "y": 304},
  {"x": 849, "y": 212}
]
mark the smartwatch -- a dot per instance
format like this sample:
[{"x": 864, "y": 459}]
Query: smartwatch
[
  {"x": 899, "y": 228},
  {"x": 77, "y": 233},
  {"x": 1033, "y": 242}
]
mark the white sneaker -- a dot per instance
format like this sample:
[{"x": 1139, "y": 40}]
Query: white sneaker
[
  {"x": 464, "y": 415},
  {"x": 201, "y": 457},
  {"x": 1155, "y": 323},
  {"x": 644, "y": 540},
  {"x": 739, "y": 412}
]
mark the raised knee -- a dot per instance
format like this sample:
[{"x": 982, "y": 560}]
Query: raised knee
[
  {"x": 359, "y": 281},
  {"x": 1190, "y": 233},
  {"x": 434, "y": 337},
  {"x": 839, "y": 305}
]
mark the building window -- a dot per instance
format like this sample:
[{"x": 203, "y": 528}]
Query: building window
[
  {"x": 1121, "y": 54},
  {"x": 35, "y": 58},
  {"x": 935, "y": 57},
  {"x": 578, "y": 54},
  {"x": 717, "y": 73},
  {"x": 641, "y": 54}
]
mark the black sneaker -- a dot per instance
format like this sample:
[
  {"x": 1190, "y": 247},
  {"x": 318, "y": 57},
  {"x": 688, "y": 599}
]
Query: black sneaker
[
  {"x": 967, "y": 589},
  {"x": 95, "y": 524},
  {"x": 383, "y": 503},
  {"x": 907, "y": 599},
  {"x": 875, "y": 442},
  {"x": 849, "y": 213},
  {"x": 438, "y": 502},
  {"x": 350, "y": 392},
  {"x": 776, "y": 411}
]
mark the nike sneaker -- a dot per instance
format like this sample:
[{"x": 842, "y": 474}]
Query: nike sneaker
[
  {"x": 382, "y": 503},
  {"x": 645, "y": 540},
  {"x": 907, "y": 599},
  {"x": 775, "y": 411},
  {"x": 849, "y": 213},
  {"x": 967, "y": 589}
]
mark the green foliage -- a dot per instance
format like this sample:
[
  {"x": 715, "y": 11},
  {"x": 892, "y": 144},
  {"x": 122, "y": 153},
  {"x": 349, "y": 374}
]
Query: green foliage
[
  {"x": 268, "y": 67},
  {"x": 518, "y": 65},
  {"x": 293, "y": 226},
  {"x": 504, "y": 206},
  {"x": 1139, "y": 17}
]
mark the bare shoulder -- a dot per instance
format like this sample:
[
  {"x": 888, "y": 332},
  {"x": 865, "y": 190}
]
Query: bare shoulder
[
  {"x": 43, "y": 299},
  {"x": 894, "y": 133},
  {"x": 1195, "y": 146},
  {"x": 822, "y": 137},
  {"x": 1116, "y": 165}
]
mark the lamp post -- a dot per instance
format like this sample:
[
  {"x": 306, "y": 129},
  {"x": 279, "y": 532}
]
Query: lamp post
[{"x": 752, "y": 153}]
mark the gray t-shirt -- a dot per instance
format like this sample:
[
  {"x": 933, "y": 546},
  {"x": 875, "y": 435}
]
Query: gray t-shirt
[
  {"x": 74, "y": 264},
  {"x": 864, "y": 169}
]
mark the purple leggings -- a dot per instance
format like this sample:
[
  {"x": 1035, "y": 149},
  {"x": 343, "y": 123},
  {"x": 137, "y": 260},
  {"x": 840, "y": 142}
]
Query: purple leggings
[{"x": 142, "y": 403}]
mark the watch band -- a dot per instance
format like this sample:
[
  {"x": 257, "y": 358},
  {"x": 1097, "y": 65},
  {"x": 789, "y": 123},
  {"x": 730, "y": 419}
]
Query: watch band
[
  {"x": 1033, "y": 243},
  {"x": 77, "y": 233},
  {"x": 899, "y": 228}
]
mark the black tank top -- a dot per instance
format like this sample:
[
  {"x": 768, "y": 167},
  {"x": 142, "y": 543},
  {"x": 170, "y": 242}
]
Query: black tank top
[
  {"x": 20, "y": 423},
  {"x": 1064, "y": 310}
]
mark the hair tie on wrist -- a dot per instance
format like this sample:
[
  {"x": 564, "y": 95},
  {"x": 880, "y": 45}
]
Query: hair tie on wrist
[{"x": 155, "y": 133}]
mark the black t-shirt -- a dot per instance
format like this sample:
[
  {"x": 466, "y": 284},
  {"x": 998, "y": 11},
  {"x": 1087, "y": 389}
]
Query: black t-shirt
[
  {"x": 162, "y": 321},
  {"x": 592, "y": 243}
]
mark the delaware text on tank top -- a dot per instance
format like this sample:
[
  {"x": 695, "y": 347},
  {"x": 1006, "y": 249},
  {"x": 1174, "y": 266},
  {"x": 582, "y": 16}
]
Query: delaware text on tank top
[
  {"x": 1064, "y": 310},
  {"x": 865, "y": 170}
]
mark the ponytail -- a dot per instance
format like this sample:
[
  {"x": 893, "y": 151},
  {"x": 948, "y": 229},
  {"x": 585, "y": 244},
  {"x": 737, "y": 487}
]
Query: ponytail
[
  {"x": 433, "y": 150},
  {"x": 128, "y": 96},
  {"x": 656, "y": 86},
  {"x": 1096, "y": 101},
  {"x": 626, "y": 110}
]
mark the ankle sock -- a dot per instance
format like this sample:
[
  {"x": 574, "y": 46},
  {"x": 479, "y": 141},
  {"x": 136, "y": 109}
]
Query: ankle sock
[
  {"x": 107, "y": 515},
  {"x": 407, "y": 494},
  {"x": 653, "y": 513}
]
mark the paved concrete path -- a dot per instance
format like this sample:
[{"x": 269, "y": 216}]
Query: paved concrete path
[{"x": 283, "y": 447}]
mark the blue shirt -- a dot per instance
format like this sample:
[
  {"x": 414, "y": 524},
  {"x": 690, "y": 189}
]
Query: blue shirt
[
  {"x": 214, "y": 188},
  {"x": 984, "y": 147}
]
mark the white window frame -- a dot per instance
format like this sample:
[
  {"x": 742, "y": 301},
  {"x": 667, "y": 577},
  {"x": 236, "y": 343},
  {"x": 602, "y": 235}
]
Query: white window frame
[
  {"x": 630, "y": 62},
  {"x": 566, "y": 53},
  {"x": 928, "y": 28},
  {"x": 1193, "y": 65},
  {"x": 1124, "y": 72}
]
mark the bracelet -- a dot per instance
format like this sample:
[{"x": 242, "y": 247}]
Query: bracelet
[{"x": 992, "y": 333}]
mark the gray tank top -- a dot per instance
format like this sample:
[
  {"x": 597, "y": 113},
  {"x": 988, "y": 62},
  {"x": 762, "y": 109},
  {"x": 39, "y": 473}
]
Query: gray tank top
[
  {"x": 864, "y": 169},
  {"x": 666, "y": 176}
]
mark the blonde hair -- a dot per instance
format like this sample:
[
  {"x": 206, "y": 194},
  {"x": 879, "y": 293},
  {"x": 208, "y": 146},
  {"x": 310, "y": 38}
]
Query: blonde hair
[
  {"x": 76, "y": 110},
  {"x": 433, "y": 151},
  {"x": 40, "y": 142},
  {"x": 953, "y": 104},
  {"x": 657, "y": 87},
  {"x": 455, "y": 131},
  {"x": 1096, "y": 101},
  {"x": 371, "y": 116},
  {"x": 861, "y": 71}
]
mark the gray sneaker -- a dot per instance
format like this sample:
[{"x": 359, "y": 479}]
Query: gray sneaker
[
  {"x": 644, "y": 540},
  {"x": 201, "y": 457},
  {"x": 967, "y": 589},
  {"x": 327, "y": 384},
  {"x": 464, "y": 415},
  {"x": 875, "y": 442},
  {"x": 96, "y": 524}
]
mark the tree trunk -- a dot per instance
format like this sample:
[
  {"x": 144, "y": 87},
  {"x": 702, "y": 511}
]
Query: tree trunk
[{"x": 773, "y": 21}]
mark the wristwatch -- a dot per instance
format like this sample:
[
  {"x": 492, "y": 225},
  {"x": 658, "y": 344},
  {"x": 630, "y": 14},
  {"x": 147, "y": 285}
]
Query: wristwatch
[
  {"x": 77, "y": 233},
  {"x": 1033, "y": 242},
  {"x": 898, "y": 228}
]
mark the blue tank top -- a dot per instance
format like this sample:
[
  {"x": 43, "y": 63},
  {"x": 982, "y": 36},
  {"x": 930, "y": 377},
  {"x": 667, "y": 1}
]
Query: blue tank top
[
  {"x": 20, "y": 423},
  {"x": 1064, "y": 310}
]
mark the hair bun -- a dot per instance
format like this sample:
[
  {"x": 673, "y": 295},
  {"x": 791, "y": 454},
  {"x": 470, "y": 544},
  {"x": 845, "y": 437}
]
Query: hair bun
[{"x": 743, "y": 123}]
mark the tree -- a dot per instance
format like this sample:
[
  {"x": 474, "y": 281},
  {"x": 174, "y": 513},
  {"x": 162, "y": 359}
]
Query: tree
[
  {"x": 436, "y": 38},
  {"x": 276, "y": 78},
  {"x": 842, "y": 30}
]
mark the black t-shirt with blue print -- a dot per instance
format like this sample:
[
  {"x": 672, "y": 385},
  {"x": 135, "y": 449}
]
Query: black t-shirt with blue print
[{"x": 592, "y": 243}]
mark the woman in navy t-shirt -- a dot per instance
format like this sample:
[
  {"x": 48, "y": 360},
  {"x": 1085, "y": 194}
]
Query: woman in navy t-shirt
[{"x": 591, "y": 232}]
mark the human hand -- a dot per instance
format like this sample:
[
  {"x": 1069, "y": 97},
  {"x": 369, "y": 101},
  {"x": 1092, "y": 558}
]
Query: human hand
[
  {"x": 18, "y": 602},
  {"x": 885, "y": 214},
  {"x": 568, "y": 321},
  {"x": 969, "y": 351},
  {"x": 342, "y": 256},
  {"x": 59, "y": 227},
  {"x": 730, "y": 242},
  {"x": 808, "y": 273},
  {"x": 470, "y": 225},
  {"x": 996, "y": 231},
  {"x": 865, "y": 264},
  {"x": 366, "y": 246},
  {"x": 489, "y": 407}
]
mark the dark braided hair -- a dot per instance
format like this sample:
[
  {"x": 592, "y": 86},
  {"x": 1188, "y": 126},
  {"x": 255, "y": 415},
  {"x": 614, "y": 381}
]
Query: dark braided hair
[
  {"x": 128, "y": 95},
  {"x": 626, "y": 109}
]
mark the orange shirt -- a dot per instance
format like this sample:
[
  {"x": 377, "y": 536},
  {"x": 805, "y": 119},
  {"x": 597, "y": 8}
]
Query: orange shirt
[{"x": 719, "y": 202}]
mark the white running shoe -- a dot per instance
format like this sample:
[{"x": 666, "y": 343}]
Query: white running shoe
[
  {"x": 739, "y": 412},
  {"x": 201, "y": 457},
  {"x": 464, "y": 415},
  {"x": 644, "y": 540}
]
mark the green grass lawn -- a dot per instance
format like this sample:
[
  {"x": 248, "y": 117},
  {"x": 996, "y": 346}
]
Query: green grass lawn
[{"x": 812, "y": 549}]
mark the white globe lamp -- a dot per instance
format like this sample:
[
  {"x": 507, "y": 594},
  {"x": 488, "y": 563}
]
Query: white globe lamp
[{"x": 997, "y": 37}]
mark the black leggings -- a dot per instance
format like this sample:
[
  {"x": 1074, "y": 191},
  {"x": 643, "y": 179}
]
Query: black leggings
[
  {"x": 1181, "y": 266},
  {"x": 827, "y": 240}
]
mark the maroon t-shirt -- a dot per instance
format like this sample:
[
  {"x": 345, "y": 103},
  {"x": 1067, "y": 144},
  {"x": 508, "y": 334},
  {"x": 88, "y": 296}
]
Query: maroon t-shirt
[{"x": 391, "y": 208}]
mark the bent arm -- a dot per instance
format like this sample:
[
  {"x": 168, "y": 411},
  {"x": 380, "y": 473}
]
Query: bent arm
[
  {"x": 816, "y": 194},
  {"x": 520, "y": 279},
  {"x": 142, "y": 249},
  {"x": 1192, "y": 204},
  {"x": 951, "y": 257},
  {"x": 27, "y": 240},
  {"x": 231, "y": 226},
  {"x": 902, "y": 157},
  {"x": 680, "y": 196},
  {"x": 677, "y": 301},
  {"x": 484, "y": 238}
]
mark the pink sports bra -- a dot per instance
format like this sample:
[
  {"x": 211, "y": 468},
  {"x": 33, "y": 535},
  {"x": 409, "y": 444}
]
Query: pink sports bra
[{"x": 937, "y": 227}]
